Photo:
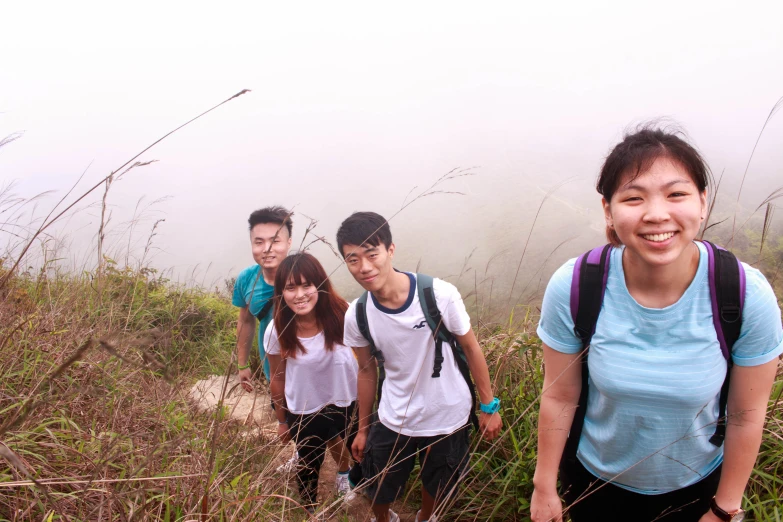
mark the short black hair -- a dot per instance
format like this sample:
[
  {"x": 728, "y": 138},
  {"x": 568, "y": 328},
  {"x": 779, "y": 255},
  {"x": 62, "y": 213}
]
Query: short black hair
[
  {"x": 276, "y": 214},
  {"x": 364, "y": 228}
]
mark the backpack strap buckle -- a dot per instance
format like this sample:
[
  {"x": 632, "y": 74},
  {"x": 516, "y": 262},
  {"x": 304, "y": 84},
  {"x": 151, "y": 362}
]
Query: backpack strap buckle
[
  {"x": 438, "y": 365},
  {"x": 581, "y": 333},
  {"x": 730, "y": 313}
]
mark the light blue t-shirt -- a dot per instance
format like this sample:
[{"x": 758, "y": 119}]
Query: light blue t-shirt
[
  {"x": 252, "y": 291},
  {"x": 656, "y": 375}
]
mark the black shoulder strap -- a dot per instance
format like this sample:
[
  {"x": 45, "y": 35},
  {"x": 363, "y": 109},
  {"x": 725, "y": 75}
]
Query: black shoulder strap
[
  {"x": 434, "y": 320},
  {"x": 727, "y": 289},
  {"x": 364, "y": 329},
  {"x": 587, "y": 294},
  {"x": 590, "y": 272},
  {"x": 440, "y": 334},
  {"x": 261, "y": 315},
  {"x": 727, "y": 293}
]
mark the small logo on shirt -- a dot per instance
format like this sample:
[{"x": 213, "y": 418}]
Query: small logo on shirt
[{"x": 420, "y": 325}]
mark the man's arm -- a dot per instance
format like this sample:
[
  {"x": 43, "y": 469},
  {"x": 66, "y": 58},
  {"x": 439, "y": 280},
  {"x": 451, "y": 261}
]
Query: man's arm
[
  {"x": 748, "y": 396},
  {"x": 488, "y": 424},
  {"x": 367, "y": 386},
  {"x": 246, "y": 328}
]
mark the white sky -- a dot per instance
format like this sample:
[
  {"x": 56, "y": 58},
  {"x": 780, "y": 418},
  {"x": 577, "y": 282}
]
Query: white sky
[{"x": 354, "y": 104}]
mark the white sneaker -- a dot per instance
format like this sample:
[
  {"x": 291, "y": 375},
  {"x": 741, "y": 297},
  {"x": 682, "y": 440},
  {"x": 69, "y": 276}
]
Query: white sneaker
[
  {"x": 341, "y": 484},
  {"x": 393, "y": 517},
  {"x": 289, "y": 466},
  {"x": 351, "y": 494}
]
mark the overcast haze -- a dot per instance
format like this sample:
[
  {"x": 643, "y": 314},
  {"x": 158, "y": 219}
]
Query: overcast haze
[{"x": 355, "y": 104}]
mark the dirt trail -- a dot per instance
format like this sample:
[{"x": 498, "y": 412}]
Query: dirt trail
[{"x": 253, "y": 410}]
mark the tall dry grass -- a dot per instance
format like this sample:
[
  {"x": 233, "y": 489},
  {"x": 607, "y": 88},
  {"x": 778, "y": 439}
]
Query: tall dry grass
[{"x": 96, "y": 424}]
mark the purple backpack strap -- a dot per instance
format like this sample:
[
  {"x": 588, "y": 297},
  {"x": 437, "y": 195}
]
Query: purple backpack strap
[
  {"x": 727, "y": 295},
  {"x": 588, "y": 286}
]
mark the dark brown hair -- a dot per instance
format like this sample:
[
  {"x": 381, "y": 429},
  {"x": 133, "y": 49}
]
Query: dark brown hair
[
  {"x": 276, "y": 215},
  {"x": 636, "y": 154},
  {"x": 329, "y": 310},
  {"x": 364, "y": 228}
]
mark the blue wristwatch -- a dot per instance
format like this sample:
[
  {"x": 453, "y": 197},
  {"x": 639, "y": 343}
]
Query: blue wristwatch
[{"x": 492, "y": 407}]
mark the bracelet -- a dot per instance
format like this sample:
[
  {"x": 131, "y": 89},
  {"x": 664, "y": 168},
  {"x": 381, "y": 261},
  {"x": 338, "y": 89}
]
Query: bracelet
[
  {"x": 245, "y": 367},
  {"x": 281, "y": 423}
]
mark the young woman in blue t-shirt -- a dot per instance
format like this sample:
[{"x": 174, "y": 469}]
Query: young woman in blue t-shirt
[{"x": 655, "y": 364}]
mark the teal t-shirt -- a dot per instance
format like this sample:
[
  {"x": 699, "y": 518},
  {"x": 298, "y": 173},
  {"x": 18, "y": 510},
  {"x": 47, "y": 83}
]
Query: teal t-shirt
[
  {"x": 252, "y": 291},
  {"x": 656, "y": 374}
]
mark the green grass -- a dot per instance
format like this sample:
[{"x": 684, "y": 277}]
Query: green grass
[
  {"x": 103, "y": 425},
  {"x": 111, "y": 435}
]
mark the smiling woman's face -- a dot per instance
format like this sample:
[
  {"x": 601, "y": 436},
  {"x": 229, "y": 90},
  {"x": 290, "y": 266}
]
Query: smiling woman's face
[
  {"x": 657, "y": 215},
  {"x": 300, "y": 296}
]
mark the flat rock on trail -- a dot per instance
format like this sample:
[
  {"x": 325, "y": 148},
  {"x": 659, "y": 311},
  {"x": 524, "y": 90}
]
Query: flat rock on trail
[{"x": 253, "y": 409}]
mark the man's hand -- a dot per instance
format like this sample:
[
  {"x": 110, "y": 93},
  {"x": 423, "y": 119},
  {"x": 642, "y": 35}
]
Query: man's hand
[
  {"x": 546, "y": 506},
  {"x": 245, "y": 379},
  {"x": 284, "y": 433},
  {"x": 489, "y": 425},
  {"x": 357, "y": 448}
]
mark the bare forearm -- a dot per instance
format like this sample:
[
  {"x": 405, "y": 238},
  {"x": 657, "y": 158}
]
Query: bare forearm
[
  {"x": 245, "y": 333},
  {"x": 554, "y": 422},
  {"x": 748, "y": 396},
  {"x": 480, "y": 372},
  {"x": 477, "y": 365},
  {"x": 367, "y": 382},
  {"x": 277, "y": 389},
  {"x": 741, "y": 448}
]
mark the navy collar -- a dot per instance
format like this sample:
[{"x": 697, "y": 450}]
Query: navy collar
[{"x": 407, "y": 303}]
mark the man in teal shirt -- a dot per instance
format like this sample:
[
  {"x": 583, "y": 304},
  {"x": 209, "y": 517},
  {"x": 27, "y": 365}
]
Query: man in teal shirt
[{"x": 270, "y": 240}]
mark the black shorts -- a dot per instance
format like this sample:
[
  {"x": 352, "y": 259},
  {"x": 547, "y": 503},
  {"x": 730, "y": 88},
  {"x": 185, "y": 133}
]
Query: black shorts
[
  {"x": 312, "y": 432},
  {"x": 325, "y": 424},
  {"x": 589, "y": 498},
  {"x": 389, "y": 458}
]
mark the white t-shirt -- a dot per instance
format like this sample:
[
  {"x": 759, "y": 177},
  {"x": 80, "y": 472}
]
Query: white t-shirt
[
  {"x": 317, "y": 378},
  {"x": 414, "y": 403}
]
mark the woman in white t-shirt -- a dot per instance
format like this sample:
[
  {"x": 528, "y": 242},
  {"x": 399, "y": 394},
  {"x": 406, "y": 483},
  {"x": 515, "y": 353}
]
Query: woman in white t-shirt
[{"x": 314, "y": 375}]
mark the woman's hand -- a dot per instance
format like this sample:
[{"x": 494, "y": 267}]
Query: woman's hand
[
  {"x": 283, "y": 432},
  {"x": 546, "y": 506}
]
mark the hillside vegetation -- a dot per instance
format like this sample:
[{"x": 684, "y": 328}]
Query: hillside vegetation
[{"x": 96, "y": 424}]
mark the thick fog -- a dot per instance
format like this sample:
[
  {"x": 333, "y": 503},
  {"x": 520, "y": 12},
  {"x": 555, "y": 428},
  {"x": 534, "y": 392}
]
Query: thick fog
[{"x": 359, "y": 106}]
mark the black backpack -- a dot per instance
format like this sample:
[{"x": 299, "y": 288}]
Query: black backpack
[
  {"x": 439, "y": 333},
  {"x": 588, "y": 284}
]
